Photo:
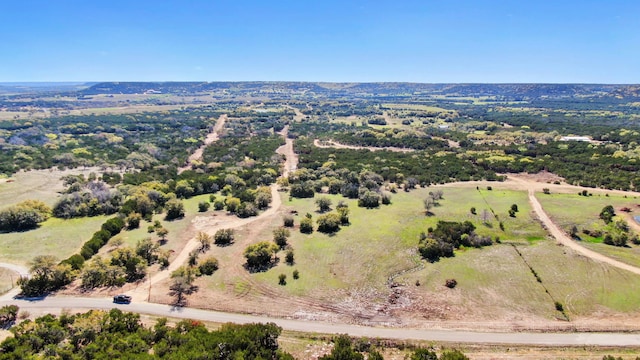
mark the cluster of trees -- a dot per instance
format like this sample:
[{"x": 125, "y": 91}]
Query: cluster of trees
[
  {"x": 118, "y": 335},
  {"x": 410, "y": 139},
  {"x": 346, "y": 349},
  {"x": 133, "y": 141},
  {"x": 89, "y": 198},
  {"x": 425, "y": 167},
  {"x": 364, "y": 186},
  {"x": 448, "y": 236},
  {"x": 25, "y": 215}
]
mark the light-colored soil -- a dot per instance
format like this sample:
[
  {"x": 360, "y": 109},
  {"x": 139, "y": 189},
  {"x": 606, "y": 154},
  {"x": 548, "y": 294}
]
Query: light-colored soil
[
  {"x": 212, "y": 137},
  {"x": 291, "y": 158}
]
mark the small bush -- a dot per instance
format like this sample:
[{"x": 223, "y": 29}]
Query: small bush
[
  {"x": 296, "y": 275},
  {"x": 287, "y": 221},
  {"x": 306, "y": 225},
  {"x": 451, "y": 283},
  {"x": 208, "y": 266},
  {"x": 282, "y": 279},
  {"x": 203, "y": 206},
  {"x": 288, "y": 258},
  {"x": 223, "y": 237}
]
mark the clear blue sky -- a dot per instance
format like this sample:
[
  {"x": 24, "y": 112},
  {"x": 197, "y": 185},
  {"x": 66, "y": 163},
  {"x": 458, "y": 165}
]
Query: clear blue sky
[{"x": 582, "y": 41}]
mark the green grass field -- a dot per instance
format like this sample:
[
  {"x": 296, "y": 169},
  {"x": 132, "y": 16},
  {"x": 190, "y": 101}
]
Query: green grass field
[
  {"x": 177, "y": 228},
  {"x": 381, "y": 242},
  {"x": 57, "y": 237},
  {"x": 568, "y": 210}
]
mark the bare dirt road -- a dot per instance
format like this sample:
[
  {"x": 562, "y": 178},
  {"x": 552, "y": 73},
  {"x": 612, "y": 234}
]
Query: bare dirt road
[
  {"x": 212, "y": 137},
  {"x": 210, "y": 226},
  {"x": 565, "y": 240},
  {"x": 552, "y": 339},
  {"x": 291, "y": 159}
]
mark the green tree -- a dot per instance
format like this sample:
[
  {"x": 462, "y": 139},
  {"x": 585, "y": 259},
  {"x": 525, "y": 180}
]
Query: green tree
[
  {"x": 233, "y": 204},
  {"x": 607, "y": 214},
  {"x": 280, "y": 236},
  {"x": 223, "y": 237},
  {"x": 260, "y": 256},
  {"x": 203, "y": 206},
  {"x": 205, "y": 241},
  {"x": 175, "y": 209},
  {"x": 324, "y": 204},
  {"x": 208, "y": 266},
  {"x": 306, "y": 225},
  {"x": 328, "y": 223}
]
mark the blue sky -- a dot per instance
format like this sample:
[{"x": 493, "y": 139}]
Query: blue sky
[{"x": 331, "y": 40}]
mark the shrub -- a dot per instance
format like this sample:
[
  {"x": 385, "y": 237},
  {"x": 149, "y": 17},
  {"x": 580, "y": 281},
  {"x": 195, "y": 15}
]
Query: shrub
[
  {"x": 203, "y": 206},
  {"x": 296, "y": 274},
  {"x": 260, "y": 256},
  {"x": 282, "y": 279},
  {"x": 133, "y": 220},
  {"x": 306, "y": 225},
  {"x": 223, "y": 237},
  {"x": 280, "y": 236},
  {"x": 175, "y": 209},
  {"x": 288, "y": 258},
  {"x": 451, "y": 283},
  {"x": 246, "y": 210},
  {"x": 208, "y": 266},
  {"x": 288, "y": 221},
  {"x": 328, "y": 223},
  {"x": 24, "y": 216}
]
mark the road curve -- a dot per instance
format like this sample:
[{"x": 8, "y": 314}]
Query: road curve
[
  {"x": 552, "y": 339},
  {"x": 565, "y": 240}
]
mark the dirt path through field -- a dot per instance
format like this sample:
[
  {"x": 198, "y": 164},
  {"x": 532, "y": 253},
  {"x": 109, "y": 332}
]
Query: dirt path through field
[
  {"x": 212, "y": 137},
  {"x": 562, "y": 237},
  {"x": 210, "y": 225},
  {"x": 291, "y": 159}
]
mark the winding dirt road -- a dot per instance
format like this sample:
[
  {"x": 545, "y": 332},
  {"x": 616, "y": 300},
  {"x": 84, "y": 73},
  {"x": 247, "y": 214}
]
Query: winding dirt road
[
  {"x": 212, "y": 137},
  {"x": 565, "y": 240}
]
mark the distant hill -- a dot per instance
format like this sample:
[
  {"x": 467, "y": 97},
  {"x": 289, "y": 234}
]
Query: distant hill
[
  {"x": 504, "y": 91},
  {"x": 39, "y": 87}
]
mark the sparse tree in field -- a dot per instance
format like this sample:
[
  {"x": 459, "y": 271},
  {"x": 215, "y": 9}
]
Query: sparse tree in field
[
  {"x": 205, "y": 241},
  {"x": 514, "y": 207},
  {"x": 282, "y": 279},
  {"x": 223, "y": 237},
  {"x": 288, "y": 258},
  {"x": 296, "y": 274},
  {"x": 306, "y": 225},
  {"x": 328, "y": 223},
  {"x": 472, "y": 210},
  {"x": 203, "y": 206},
  {"x": 175, "y": 209},
  {"x": 193, "y": 257},
  {"x": 181, "y": 285},
  {"x": 260, "y": 255},
  {"x": 162, "y": 232},
  {"x": 208, "y": 266},
  {"x": 512, "y": 213},
  {"x": 546, "y": 191},
  {"x": 148, "y": 250},
  {"x": 437, "y": 195},
  {"x": 218, "y": 204},
  {"x": 280, "y": 236},
  {"x": 607, "y": 214},
  {"x": 288, "y": 221},
  {"x": 343, "y": 212},
  {"x": 324, "y": 204},
  {"x": 428, "y": 205}
]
